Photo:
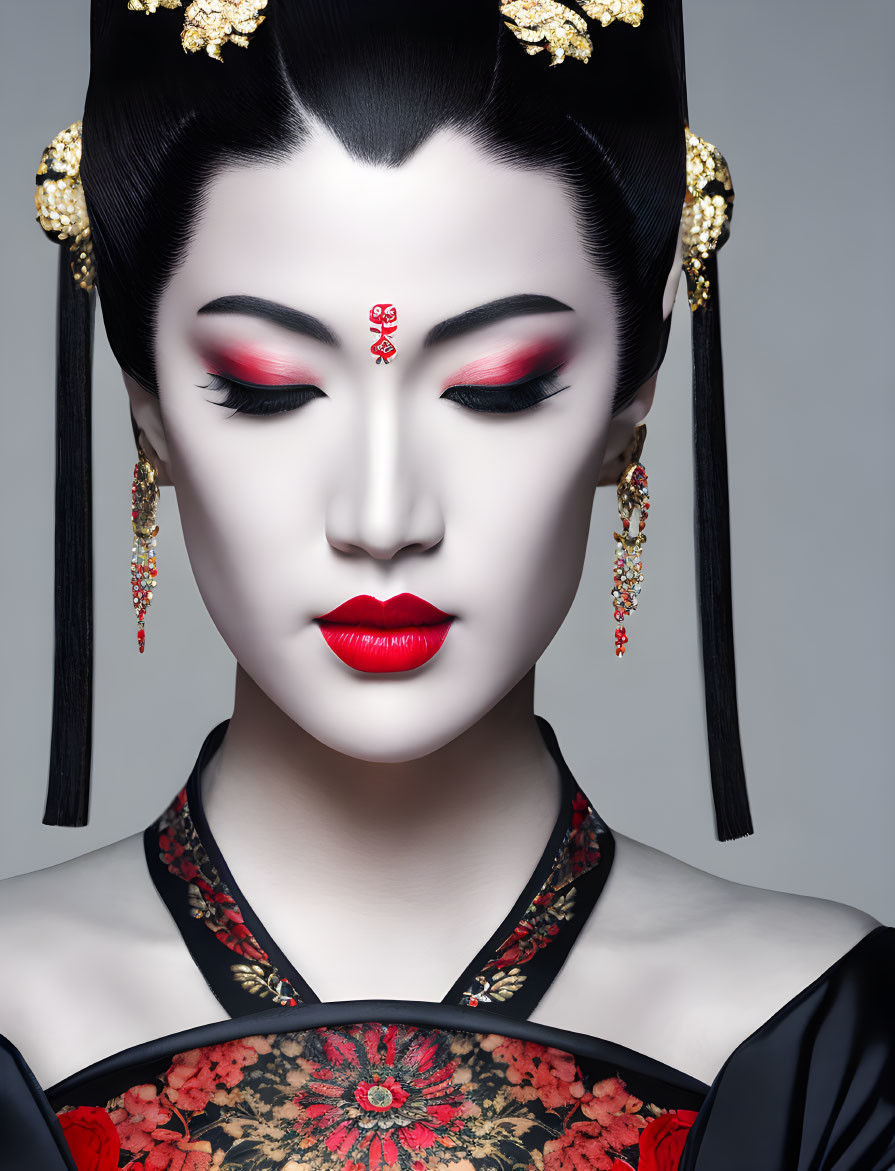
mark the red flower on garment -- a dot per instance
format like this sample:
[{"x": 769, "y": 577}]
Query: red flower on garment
[
  {"x": 194, "y": 1077},
  {"x": 583, "y": 1147},
  {"x": 156, "y": 1125},
  {"x": 538, "y": 1072},
  {"x": 610, "y": 1123},
  {"x": 378, "y": 1095},
  {"x": 176, "y": 857},
  {"x": 228, "y": 925},
  {"x": 531, "y": 933},
  {"x": 211, "y": 901},
  {"x": 91, "y": 1137},
  {"x": 662, "y": 1142}
]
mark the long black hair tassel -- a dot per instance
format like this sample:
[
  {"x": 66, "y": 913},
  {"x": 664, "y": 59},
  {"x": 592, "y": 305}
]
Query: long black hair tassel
[
  {"x": 712, "y": 519},
  {"x": 70, "y": 745}
]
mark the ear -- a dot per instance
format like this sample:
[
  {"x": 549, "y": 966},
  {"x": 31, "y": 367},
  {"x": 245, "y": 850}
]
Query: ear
[
  {"x": 147, "y": 415},
  {"x": 620, "y": 441}
]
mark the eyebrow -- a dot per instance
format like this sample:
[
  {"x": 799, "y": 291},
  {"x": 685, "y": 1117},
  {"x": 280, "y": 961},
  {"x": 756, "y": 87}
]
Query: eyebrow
[
  {"x": 303, "y": 323},
  {"x": 291, "y": 319},
  {"x": 493, "y": 311}
]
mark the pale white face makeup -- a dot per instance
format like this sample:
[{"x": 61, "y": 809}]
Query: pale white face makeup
[{"x": 378, "y": 484}]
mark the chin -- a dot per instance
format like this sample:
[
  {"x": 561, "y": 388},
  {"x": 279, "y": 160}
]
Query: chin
[
  {"x": 391, "y": 727},
  {"x": 386, "y": 718}
]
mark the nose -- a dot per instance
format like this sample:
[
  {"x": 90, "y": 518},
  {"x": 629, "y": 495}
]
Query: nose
[{"x": 384, "y": 500}]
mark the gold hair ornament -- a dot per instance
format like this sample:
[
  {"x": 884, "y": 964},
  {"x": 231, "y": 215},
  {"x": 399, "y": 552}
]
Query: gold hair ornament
[
  {"x": 708, "y": 206},
  {"x": 210, "y": 24},
  {"x": 61, "y": 208},
  {"x": 546, "y": 24}
]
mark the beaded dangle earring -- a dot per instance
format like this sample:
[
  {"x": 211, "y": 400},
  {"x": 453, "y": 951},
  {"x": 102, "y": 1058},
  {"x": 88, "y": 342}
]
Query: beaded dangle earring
[
  {"x": 627, "y": 576},
  {"x": 143, "y": 513}
]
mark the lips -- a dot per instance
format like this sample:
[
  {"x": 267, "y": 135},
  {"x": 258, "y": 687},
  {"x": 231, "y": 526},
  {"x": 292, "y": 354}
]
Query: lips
[{"x": 398, "y": 634}]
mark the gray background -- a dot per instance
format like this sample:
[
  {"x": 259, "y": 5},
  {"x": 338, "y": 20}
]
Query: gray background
[{"x": 799, "y": 98}]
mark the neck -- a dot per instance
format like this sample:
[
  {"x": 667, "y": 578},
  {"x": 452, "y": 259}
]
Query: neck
[{"x": 462, "y": 827}]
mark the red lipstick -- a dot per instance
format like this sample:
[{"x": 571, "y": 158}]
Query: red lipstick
[{"x": 398, "y": 634}]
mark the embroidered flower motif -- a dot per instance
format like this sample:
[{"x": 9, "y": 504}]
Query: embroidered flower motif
[
  {"x": 552, "y": 906},
  {"x": 181, "y": 850},
  {"x": 611, "y": 1123},
  {"x": 662, "y": 1142},
  {"x": 91, "y": 1137},
  {"x": 500, "y": 986},
  {"x": 379, "y": 1097}
]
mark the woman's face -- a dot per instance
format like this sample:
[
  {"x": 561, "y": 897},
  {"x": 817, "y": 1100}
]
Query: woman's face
[{"x": 373, "y": 480}]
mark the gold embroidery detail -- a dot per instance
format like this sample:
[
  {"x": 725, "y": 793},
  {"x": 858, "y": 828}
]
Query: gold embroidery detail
[
  {"x": 546, "y": 24},
  {"x": 261, "y": 980},
  {"x": 210, "y": 24},
  {"x": 708, "y": 206},
  {"x": 60, "y": 203},
  {"x": 504, "y": 985}
]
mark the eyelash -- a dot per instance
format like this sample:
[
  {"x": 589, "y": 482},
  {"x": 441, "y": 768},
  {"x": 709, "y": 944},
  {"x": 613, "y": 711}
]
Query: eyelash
[
  {"x": 504, "y": 400},
  {"x": 248, "y": 399}
]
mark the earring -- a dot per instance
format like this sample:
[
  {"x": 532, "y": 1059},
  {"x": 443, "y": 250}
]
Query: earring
[
  {"x": 628, "y": 568},
  {"x": 144, "y": 496}
]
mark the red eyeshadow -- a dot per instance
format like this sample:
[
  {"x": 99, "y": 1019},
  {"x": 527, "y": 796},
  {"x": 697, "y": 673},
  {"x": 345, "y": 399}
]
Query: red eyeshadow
[
  {"x": 512, "y": 365},
  {"x": 258, "y": 366}
]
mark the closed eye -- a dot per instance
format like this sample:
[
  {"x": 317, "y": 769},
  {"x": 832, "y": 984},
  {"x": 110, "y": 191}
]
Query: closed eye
[
  {"x": 253, "y": 399},
  {"x": 513, "y": 396}
]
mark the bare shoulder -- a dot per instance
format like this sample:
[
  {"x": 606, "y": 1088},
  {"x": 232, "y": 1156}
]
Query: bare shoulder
[
  {"x": 731, "y": 955},
  {"x": 91, "y": 953},
  {"x": 791, "y": 937},
  {"x": 683, "y": 966}
]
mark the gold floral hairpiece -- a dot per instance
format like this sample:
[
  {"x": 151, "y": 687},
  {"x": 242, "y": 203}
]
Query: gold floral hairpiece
[
  {"x": 210, "y": 24},
  {"x": 708, "y": 206},
  {"x": 61, "y": 208},
  {"x": 546, "y": 24}
]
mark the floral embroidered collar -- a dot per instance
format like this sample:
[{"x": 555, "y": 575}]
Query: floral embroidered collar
[{"x": 244, "y": 966}]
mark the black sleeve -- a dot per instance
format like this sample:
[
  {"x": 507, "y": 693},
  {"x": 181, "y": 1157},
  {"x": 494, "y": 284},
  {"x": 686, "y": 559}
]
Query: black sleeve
[
  {"x": 31, "y": 1138},
  {"x": 814, "y": 1088}
]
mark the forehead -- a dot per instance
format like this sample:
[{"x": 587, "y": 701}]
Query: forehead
[{"x": 448, "y": 228}]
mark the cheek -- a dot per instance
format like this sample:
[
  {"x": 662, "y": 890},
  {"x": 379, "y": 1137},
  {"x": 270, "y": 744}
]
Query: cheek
[
  {"x": 521, "y": 513},
  {"x": 242, "y": 494}
]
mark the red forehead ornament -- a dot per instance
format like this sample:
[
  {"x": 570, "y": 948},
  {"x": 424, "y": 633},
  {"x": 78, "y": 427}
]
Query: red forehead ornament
[{"x": 383, "y": 320}]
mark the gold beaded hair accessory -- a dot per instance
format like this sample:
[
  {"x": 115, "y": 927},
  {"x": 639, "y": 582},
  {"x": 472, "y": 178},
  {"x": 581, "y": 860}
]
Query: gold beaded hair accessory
[
  {"x": 59, "y": 199},
  {"x": 562, "y": 31},
  {"x": 210, "y": 24},
  {"x": 708, "y": 207}
]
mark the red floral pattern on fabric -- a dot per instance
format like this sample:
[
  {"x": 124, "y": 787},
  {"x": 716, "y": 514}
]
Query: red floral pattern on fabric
[
  {"x": 181, "y": 850},
  {"x": 579, "y": 852},
  {"x": 499, "y": 979},
  {"x": 377, "y": 1097}
]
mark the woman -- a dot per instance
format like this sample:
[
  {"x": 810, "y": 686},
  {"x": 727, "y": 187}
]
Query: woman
[{"x": 390, "y": 295}]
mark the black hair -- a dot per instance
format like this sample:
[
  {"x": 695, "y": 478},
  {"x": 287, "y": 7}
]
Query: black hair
[{"x": 382, "y": 78}]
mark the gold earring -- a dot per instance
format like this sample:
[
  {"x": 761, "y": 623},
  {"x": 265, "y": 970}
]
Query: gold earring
[
  {"x": 627, "y": 574},
  {"x": 144, "y": 497}
]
